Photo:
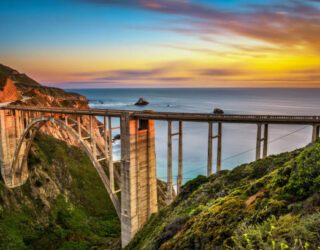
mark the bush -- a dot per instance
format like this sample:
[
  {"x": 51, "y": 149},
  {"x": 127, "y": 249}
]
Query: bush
[{"x": 280, "y": 233}]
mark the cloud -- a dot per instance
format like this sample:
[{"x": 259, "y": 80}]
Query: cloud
[
  {"x": 174, "y": 7},
  {"x": 165, "y": 73},
  {"x": 220, "y": 72},
  {"x": 132, "y": 74},
  {"x": 289, "y": 23},
  {"x": 311, "y": 74},
  {"x": 309, "y": 71}
]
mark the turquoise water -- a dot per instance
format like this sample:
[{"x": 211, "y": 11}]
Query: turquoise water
[{"x": 238, "y": 139}]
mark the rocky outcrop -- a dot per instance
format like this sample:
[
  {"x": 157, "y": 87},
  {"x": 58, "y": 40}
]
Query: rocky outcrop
[
  {"x": 141, "y": 102},
  {"x": 22, "y": 90},
  {"x": 218, "y": 111},
  {"x": 9, "y": 92}
]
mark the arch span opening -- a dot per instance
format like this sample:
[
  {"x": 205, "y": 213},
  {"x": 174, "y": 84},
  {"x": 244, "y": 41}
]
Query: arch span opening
[{"x": 23, "y": 147}]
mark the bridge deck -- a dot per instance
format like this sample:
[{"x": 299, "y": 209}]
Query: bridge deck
[{"x": 177, "y": 116}]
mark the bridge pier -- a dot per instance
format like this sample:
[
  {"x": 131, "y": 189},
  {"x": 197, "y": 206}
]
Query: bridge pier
[
  {"x": 180, "y": 158},
  {"x": 109, "y": 151},
  {"x": 264, "y": 140},
  {"x": 169, "y": 162},
  {"x": 169, "y": 159},
  {"x": 219, "y": 148},
  {"x": 315, "y": 132},
  {"x": 138, "y": 175},
  {"x": 11, "y": 128}
]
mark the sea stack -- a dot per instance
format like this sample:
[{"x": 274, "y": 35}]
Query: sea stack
[
  {"x": 141, "y": 102},
  {"x": 218, "y": 111}
]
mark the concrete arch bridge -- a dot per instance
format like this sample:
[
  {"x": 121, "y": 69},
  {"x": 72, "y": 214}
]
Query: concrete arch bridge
[{"x": 133, "y": 187}]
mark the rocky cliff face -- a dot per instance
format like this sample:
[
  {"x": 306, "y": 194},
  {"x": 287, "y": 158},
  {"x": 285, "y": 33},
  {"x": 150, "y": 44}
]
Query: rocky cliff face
[
  {"x": 9, "y": 93},
  {"x": 22, "y": 90}
]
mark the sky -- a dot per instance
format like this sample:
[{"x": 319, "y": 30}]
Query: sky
[{"x": 163, "y": 43}]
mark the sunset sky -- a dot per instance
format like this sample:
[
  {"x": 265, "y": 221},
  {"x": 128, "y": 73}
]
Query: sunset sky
[{"x": 163, "y": 43}]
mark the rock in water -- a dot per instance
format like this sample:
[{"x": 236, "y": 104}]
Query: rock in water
[
  {"x": 218, "y": 111},
  {"x": 141, "y": 102},
  {"x": 116, "y": 137}
]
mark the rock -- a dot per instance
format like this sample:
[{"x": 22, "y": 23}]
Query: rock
[
  {"x": 218, "y": 111},
  {"x": 20, "y": 89},
  {"x": 9, "y": 93},
  {"x": 116, "y": 137},
  {"x": 141, "y": 102}
]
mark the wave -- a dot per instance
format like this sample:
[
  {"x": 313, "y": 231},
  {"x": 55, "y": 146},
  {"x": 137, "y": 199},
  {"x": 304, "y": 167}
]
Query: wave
[{"x": 108, "y": 104}]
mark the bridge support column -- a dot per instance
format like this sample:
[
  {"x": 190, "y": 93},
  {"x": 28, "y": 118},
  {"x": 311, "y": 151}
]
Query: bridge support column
[
  {"x": 180, "y": 159},
  {"x": 108, "y": 151},
  {"x": 315, "y": 132},
  {"x": 219, "y": 147},
  {"x": 264, "y": 140},
  {"x": 11, "y": 128},
  {"x": 258, "y": 144},
  {"x": 209, "y": 165},
  {"x": 169, "y": 167},
  {"x": 138, "y": 175}
]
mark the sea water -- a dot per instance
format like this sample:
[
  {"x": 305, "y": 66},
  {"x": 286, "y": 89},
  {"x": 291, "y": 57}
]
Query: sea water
[{"x": 238, "y": 141}]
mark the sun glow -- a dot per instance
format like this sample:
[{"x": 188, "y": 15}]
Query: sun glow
[{"x": 176, "y": 44}]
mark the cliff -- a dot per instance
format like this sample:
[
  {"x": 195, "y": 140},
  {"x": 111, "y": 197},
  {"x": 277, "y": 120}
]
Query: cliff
[
  {"x": 272, "y": 203},
  {"x": 20, "y": 89},
  {"x": 9, "y": 92},
  {"x": 30, "y": 92}
]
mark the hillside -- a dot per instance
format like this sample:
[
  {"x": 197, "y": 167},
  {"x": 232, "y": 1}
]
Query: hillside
[
  {"x": 63, "y": 205},
  {"x": 19, "y": 89},
  {"x": 21, "y": 79},
  {"x": 272, "y": 203},
  {"x": 37, "y": 94}
]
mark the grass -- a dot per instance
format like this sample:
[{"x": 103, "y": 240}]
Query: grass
[
  {"x": 272, "y": 203},
  {"x": 64, "y": 205}
]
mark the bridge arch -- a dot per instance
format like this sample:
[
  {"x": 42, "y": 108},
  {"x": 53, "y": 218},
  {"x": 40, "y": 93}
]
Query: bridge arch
[{"x": 23, "y": 148}]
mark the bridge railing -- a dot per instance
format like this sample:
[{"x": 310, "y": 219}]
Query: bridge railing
[{"x": 178, "y": 116}]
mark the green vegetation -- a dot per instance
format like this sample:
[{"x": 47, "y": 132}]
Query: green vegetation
[
  {"x": 272, "y": 203},
  {"x": 63, "y": 205}
]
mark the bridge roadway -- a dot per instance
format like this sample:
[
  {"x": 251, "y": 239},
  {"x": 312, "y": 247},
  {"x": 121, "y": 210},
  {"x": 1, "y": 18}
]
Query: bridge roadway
[{"x": 178, "y": 116}]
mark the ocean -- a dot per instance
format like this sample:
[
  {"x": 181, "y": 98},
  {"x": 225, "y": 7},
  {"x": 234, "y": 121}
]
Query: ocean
[{"x": 238, "y": 141}]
